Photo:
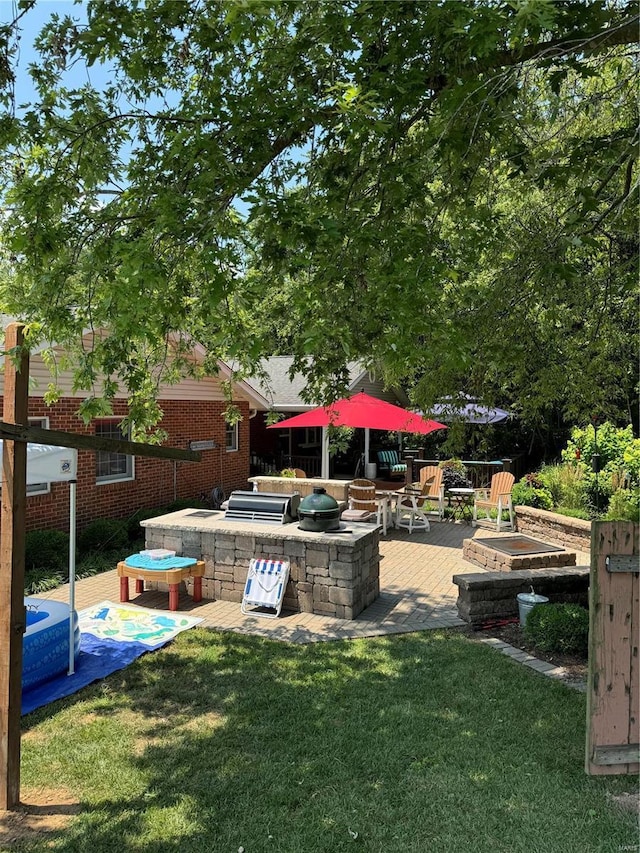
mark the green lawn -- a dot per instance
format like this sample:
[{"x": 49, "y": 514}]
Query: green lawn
[{"x": 414, "y": 743}]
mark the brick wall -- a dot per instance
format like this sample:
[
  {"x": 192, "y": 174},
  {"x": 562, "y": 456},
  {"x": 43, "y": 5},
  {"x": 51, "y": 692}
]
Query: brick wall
[{"x": 157, "y": 482}]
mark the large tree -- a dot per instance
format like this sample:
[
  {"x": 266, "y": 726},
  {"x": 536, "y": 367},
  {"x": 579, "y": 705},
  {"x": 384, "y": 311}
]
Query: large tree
[{"x": 444, "y": 189}]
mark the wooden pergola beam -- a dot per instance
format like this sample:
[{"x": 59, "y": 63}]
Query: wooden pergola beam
[{"x": 39, "y": 435}]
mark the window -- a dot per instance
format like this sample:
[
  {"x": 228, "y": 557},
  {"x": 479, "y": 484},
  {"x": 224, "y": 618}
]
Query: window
[
  {"x": 111, "y": 467},
  {"x": 231, "y": 437},
  {"x": 313, "y": 436},
  {"x": 39, "y": 488}
]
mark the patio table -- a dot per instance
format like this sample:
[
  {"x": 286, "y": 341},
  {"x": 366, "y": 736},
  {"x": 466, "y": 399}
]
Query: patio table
[
  {"x": 385, "y": 500},
  {"x": 460, "y": 500}
]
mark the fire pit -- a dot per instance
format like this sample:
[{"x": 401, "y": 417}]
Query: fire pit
[
  {"x": 519, "y": 545},
  {"x": 512, "y": 553}
]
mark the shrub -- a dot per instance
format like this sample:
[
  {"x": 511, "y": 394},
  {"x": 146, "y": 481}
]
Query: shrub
[
  {"x": 530, "y": 491},
  {"x": 598, "y": 491},
  {"x": 454, "y": 474},
  {"x": 566, "y": 484},
  {"x": 570, "y": 512},
  {"x": 39, "y": 580},
  {"x": 624, "y": 505},
  {"x": 616, "y": 446},
  {"x": 104, "y": 534},
  {"x": 46, "y": 549},
  {"x": 288, "y": 472},
  {"x": 558, "y": 628}
]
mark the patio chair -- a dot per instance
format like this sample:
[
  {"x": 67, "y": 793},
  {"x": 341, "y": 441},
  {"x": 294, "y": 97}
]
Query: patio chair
[
  {"x": 432, "y": 475},
  {"x": 264, "y": 588},
  {"x": 410, "y": 512},
  {"x": 389, "y": 464},
  {"x": 362, "y": 496},
  {"x": 498, "y": 498}
]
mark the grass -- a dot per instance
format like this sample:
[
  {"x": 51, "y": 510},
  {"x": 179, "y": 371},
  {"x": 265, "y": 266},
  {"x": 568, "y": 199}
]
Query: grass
[{"x": 412, "y": 743}]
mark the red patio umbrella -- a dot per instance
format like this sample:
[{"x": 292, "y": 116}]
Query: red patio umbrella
[{"x": 363, "y": 411}]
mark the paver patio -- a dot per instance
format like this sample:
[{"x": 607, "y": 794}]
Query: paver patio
[{"x": 416, "y": 593}]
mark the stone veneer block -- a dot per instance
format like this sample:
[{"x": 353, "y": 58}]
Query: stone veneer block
[
  {"x": 331, "y": 574},
  {"x": 484, "y": 556},
  {"x": 492, "y": 595}
]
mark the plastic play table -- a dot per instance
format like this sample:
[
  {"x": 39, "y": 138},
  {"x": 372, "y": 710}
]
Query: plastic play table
[{"x": 169, "y": 570}]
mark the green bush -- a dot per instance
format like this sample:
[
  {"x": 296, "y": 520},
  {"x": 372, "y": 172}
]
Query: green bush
[
  {"x": 598, "y": 492},
  {"x": 454, "y": 474},
  {"x": 104, "y": 534},
  {"x": 624, "y": 505},
  {"x": 571, "y": 512},
  {"x": 566, "y": 484},
  {"x": 611, "y": 443},
  {"x": 48, "y": 550},
  {"x": 559, "y": 628},
  {"x": 39, "y": 580},
  {"x": 530, "y": 491}
]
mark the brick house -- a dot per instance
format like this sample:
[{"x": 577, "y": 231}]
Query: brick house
[{"x": 114, "y": 485}]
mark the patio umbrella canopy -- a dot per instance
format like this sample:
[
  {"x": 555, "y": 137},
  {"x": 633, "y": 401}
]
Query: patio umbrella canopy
[
  {"x": 365, "y": 412},
  {"x": 470, "y": 412}
]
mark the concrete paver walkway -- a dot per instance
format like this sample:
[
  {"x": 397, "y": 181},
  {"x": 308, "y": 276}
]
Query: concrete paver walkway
[{"x": 416, "y": 593}]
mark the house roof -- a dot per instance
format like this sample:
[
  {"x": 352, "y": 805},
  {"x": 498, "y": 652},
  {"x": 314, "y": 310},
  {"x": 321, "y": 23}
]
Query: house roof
[
  {"x": 40, "y": 374},
  {"x": 285, "y": 393}
]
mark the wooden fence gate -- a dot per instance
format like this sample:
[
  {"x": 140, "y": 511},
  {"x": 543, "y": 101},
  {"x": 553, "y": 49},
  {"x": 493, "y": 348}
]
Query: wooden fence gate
[{"x": 613, "y": 699}]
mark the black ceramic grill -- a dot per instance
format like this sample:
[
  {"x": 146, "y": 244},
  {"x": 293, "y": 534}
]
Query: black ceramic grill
[{"x": 262, "y": 507}]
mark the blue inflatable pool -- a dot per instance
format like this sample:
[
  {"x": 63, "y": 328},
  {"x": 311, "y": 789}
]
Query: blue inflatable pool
[{"x": 45, "y": 648}]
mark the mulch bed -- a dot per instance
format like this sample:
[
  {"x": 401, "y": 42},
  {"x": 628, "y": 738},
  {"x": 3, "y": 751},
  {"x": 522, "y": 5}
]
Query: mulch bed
[{"x": 509, "y": 631}]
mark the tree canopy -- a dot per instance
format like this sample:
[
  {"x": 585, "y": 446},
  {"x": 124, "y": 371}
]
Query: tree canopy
[{"x": 446, "y": 190}]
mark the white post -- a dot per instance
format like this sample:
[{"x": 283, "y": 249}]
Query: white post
[
  {"x": 324, "y": 471},
  {"x": 72, "y": 573}
]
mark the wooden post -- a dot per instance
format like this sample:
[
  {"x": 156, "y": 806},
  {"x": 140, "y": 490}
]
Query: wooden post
[
  {"x": 613, "y": 698},
  {"x": 12, "y": 544}
]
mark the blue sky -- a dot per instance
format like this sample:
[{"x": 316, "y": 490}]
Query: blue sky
[{"x": 30, "y": 25}]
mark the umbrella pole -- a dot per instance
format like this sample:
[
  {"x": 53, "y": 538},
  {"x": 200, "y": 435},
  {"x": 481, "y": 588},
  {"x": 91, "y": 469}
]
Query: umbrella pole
[
  {"x": 366, "y": 449},
  {"x": 72, "y": 573},
  {"x": 325, "y": 454}
]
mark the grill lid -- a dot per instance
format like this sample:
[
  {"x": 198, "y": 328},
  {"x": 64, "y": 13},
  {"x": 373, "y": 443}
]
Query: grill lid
[
  {"x": 262, "y": 507},
  {"x": 319, "y": 505}
]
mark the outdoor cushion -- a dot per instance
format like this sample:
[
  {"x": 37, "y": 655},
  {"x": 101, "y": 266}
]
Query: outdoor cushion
[{"x": 389, "y": 460}]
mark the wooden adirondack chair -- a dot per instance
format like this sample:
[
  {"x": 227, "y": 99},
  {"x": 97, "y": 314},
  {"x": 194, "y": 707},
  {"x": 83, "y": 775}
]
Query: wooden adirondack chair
[
  {"x": 498, "y": 498},
  {"x": 432, "y": 475}
]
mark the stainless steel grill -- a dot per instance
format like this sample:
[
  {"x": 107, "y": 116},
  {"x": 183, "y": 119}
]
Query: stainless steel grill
[{"x": 262, "y": 507}]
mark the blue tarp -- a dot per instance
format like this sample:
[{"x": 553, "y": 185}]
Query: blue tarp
[{"x": 97, "y": 659}]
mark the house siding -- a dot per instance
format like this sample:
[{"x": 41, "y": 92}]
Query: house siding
[{"x": 156, "y": 482}]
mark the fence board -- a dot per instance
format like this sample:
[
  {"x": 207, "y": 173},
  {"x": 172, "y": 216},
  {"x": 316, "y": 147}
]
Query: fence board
[{"x": 613, "y": 724}]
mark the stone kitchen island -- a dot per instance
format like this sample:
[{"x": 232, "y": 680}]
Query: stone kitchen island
[{"x": 336, "y": 573}]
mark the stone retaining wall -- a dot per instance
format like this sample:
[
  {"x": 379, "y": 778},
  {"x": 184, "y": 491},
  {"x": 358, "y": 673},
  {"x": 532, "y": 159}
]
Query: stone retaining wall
[
  {"x": 486, "y": 557},
  {"x": 551, "y": 527},
  {"x": 338, "y": 489},
  {"x": 493, "y": 595}
]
